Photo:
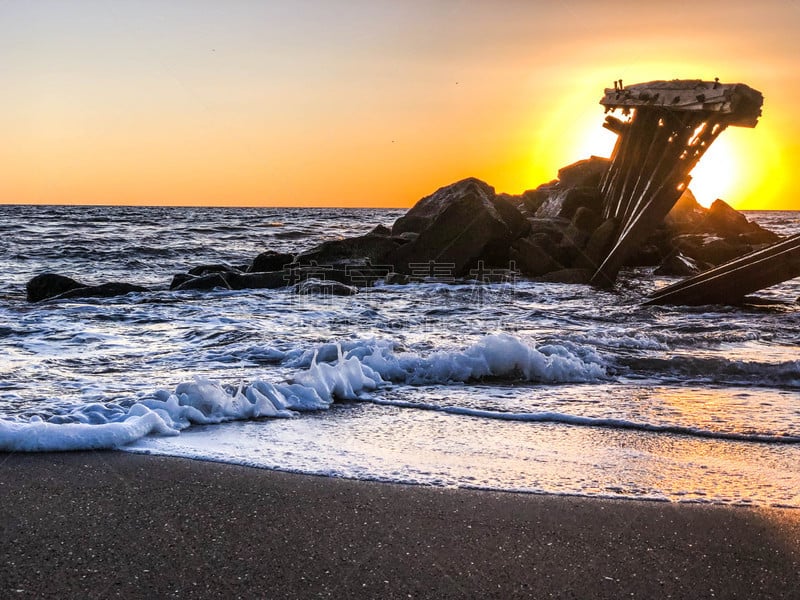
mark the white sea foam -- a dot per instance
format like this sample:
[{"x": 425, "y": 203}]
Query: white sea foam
[
  {"x": 335, "y": 372},
  {"x": 40, "y": 436},
  {"x": 498, "y": 356}
]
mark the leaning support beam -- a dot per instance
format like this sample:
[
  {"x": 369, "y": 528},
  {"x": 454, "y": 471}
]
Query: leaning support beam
[
  {"x": 671, "y": 125},
  {"x": 729, "y": 283}
]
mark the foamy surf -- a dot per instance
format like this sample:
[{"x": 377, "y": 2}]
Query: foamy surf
[{"x": 355, "y": 373}]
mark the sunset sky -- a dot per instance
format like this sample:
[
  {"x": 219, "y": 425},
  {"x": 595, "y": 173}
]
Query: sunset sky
[{"x": 367, "y": 102}]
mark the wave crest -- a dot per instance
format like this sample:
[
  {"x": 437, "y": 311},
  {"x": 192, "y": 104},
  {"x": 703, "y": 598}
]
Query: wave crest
[{"x": 357, "y": 369}]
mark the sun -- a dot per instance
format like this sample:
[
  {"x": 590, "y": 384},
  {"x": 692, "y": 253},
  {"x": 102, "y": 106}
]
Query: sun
[{"x": 717, "y": 174}]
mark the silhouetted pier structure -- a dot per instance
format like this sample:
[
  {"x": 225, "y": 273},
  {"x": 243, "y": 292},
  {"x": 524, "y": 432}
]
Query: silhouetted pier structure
[
  {"x": 669, "y": 125},
  {"x": 729, "y": 283}
]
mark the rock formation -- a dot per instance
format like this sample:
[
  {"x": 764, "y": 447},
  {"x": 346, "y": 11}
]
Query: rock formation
[{"x": 552, "y": 233}]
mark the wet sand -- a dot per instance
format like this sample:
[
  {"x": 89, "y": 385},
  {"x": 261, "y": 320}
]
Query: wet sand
[{"x": 112, "y": 524}]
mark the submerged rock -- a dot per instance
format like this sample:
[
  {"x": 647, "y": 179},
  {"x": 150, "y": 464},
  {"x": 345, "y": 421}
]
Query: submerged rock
[
  {"x": 678, "y": 265},
  {"x": 270, "y": 261},
  {"x": 208, "y": 281},
  {"x": 207, "y": 269},
  {"x": 355, "y": 275},
  {"x": 104, "y": 290},
  {"x": 51, "y": 286},
  {"x": 325, "y": 287},
  {"x": 570, "y": 276}
]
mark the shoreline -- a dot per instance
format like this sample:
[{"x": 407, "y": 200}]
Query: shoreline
[
  {"x": 465, "y": 487},
  {"x": 118, "y": 524}
]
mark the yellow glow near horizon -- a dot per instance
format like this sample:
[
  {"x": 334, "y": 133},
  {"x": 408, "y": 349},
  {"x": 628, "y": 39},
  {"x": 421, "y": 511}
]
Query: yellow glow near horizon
[
  {"x": 717, "y": 175},
  {"x": 741, "y": 167},
  {"x": 571, "y": 130}
]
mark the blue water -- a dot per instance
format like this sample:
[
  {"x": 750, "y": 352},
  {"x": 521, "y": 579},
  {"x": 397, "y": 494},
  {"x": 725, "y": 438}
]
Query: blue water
[{"x": 515, "y": 386}]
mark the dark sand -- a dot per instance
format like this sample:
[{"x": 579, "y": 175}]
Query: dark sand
[{"x": 110, "y": 524}]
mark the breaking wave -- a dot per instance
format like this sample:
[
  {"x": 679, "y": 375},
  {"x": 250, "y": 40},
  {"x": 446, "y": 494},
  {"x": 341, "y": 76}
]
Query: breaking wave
[{"x": 348, "y": 371}]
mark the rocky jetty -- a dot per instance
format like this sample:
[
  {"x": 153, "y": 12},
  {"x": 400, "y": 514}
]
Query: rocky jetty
[
  {"x": 465, "y": 230},
  {"x": 552, "y": 233}
]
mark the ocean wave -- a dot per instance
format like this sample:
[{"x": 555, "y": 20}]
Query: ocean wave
[
  {"x": 623, "y": 341},
  {"x": 715, "y": 370},
  {"x": 357, "y": 369}
]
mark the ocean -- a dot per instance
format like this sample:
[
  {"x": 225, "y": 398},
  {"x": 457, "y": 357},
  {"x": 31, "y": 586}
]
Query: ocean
[{"x": 512, "y": 385}]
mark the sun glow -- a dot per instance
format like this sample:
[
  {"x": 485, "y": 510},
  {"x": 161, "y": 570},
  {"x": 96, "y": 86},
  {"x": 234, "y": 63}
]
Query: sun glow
[
  {"x": 717, "y": 174},
  {"x": 572, "y": 131},
  {"x": 742, "y": 167}
]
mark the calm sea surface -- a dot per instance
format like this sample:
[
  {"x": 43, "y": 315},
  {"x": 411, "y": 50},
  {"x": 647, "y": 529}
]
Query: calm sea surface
[{"x": 512, "y": 386}]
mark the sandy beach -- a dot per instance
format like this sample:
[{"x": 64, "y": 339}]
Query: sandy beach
[{"x": 112, "y": 524}]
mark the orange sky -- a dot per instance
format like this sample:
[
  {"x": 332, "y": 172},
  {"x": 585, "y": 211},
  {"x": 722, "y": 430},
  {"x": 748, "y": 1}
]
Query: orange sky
[{"x": 366, "y": 102}]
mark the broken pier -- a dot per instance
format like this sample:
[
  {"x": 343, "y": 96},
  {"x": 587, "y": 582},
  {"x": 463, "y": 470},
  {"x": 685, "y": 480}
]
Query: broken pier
[{"x": 664, "y": 130}]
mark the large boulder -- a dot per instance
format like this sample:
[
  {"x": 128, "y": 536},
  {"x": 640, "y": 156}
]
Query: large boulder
[
  {"x": 533, "y": 255},
  {"x": 565, "y": 202},
  {"x": 458, "y": 226},
  {"x": 584, "y": 173},
  {"x": 599, "y": 244},
  {"x": 720, "y": 219},
  {"x": 531, "y": 200},
  {"x": 423, "y": 214},
  {"x": 686, "y": 216},
  {"x": 513, "y": 219},
  {"x": 727, "y": 222},
  {"x": 428, "y": 210}
]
